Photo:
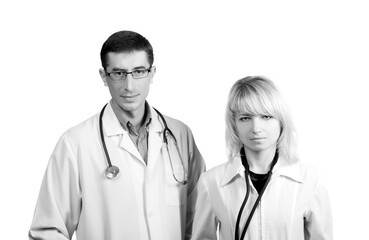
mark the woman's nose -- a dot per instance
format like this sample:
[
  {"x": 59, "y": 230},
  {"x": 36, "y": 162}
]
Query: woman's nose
[{"x": 256, "y": 125}]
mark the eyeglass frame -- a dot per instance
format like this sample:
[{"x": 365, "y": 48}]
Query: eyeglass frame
[{"x": 126, "y": 74}]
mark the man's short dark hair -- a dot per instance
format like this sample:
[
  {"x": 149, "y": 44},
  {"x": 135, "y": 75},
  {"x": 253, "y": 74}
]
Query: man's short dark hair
[{"x": 126, "y": 41}]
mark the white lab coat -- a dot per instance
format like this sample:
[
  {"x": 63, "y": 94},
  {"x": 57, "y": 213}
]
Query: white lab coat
[
  {"x": 143, "y": 202},
  {"x": 294, "y": 206}
]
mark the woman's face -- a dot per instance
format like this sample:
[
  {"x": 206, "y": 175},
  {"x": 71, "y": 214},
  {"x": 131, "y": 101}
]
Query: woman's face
[{"x": 258, "y": 132}]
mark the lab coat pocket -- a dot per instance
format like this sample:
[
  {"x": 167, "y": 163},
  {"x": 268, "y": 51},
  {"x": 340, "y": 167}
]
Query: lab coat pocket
[{"x": 175, "y": 192}]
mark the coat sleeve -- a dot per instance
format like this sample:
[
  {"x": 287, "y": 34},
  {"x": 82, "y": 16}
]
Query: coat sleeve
[
  {"x": 59, "y": 201},
  {"x": 196, "y": 166},
  {"x": 205, "y": 222},
  {"x": 318, "y": 223}
]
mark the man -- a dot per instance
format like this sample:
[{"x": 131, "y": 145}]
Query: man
[{"x": 152, "y": 196}]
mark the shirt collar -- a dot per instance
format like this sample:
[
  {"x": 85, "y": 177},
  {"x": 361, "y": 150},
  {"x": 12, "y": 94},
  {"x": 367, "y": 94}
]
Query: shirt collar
[
  {"x": 113, "y": 127},
  {"x": 234, "y": 168},
  {"x": 144, "y": 127},
  {"x": 127, "y": 125}
]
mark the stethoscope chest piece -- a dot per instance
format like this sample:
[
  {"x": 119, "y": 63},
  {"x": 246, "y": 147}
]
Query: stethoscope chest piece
[{"x": 111, "y": 172}]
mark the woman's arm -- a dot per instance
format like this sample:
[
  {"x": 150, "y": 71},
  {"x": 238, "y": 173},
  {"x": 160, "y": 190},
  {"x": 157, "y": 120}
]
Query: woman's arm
[{"x": 318, "y": 223}]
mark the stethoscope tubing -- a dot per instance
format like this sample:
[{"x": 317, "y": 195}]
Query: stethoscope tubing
[
  {"x": 244, "y": 162},
  {"x": 102, "y": 136},
  {"x": 112, "y": 171},
  {"x": 184, "y": 181},
  {"x": 167, "y": 132}
]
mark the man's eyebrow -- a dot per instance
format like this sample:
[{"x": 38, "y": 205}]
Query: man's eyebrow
[
  {"x": 125, "y": 70},
  {"x": 117, "y": 69},
  {"x": 139, "y": 67}
]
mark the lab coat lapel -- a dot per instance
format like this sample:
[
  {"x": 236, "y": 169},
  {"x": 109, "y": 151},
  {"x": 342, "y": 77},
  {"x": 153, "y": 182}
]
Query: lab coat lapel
[
  {"x": 112, "y": 127},
  {"x": 155, "y": 138},
  {"x": 127, "y": 144}
]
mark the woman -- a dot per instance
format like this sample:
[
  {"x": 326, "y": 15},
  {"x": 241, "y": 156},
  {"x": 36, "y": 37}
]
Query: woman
[{"x": 262, "y": 192}]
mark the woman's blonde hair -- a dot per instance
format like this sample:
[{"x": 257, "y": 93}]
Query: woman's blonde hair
[{"x": 258, "y": 95}]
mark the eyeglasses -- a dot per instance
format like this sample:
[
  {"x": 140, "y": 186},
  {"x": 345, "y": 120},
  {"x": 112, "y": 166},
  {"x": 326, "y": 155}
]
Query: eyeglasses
[{"x": 122, "y": 75}]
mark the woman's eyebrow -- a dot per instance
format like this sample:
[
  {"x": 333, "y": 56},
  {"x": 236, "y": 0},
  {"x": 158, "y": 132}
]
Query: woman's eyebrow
[{"x": 245, "y": 114}]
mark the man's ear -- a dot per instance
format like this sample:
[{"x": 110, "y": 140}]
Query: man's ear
[
  {"x": 153, "y": 71},
  {"x": 103, "y": 76}
]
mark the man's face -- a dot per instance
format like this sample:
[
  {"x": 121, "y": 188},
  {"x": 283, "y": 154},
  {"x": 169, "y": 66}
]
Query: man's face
[{"x": 129, "y": 94}]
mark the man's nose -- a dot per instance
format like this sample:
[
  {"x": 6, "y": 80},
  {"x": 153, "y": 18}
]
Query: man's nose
[{"x": 128, "y": 82}]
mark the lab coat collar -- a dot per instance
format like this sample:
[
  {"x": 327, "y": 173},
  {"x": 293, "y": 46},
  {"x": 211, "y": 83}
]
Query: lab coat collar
[
  {"x": 156, "y": 124},
  {"x": 111, "y": 123},
  {"x": 291, "y": 171},
  {"x": 234, "y": 168},
  {"x": 155, "y": 139}
]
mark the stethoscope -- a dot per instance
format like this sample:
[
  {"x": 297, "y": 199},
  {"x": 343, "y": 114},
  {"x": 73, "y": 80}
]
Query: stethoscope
[
  {"x": 112, "y": 171},
  {"x": 246, "y": 165}
]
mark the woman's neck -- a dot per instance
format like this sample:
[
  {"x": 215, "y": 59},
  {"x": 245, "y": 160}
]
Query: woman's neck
[{"x": 260, "y": 162}]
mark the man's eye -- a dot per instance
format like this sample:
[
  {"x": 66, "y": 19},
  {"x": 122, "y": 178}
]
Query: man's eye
[
  {"x": 119, "y": 74},
  {"x": 139, "y": 72}
]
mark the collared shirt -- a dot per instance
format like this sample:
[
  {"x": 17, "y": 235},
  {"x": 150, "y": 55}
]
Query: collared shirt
[
  {"x": 295, "y": 204},
  {"x": 143, "y": 202},
  {"x": 140, "y": 136}
]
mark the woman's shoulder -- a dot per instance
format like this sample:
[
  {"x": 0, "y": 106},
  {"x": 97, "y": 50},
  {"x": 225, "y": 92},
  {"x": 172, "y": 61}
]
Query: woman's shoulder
[
  {"x": 221, "y": 172},
  {"x": 309, "y": 170},
  {"x": 216, "y": 170},
  {"x": 305, "y": 172}
]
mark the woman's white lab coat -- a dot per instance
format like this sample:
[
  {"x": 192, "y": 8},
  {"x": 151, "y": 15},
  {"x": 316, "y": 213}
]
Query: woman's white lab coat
[
  {"x": 294, "y": 206},
  {"x": 143, "y": 202}
]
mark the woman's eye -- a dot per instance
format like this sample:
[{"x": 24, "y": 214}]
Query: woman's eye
[
  {"x": 244, "y": 119},
  {"x": 266, "y": 117}
]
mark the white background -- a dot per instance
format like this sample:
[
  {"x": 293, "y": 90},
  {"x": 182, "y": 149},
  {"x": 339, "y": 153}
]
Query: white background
[{"x": 316, "y": 51}]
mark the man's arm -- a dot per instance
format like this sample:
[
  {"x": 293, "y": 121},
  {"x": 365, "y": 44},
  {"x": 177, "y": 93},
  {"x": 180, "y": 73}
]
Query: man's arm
[
  {"x": 196, "y": 166},
  {"x": 205, "y": 223},
  {"x": 58, "y": 206}
]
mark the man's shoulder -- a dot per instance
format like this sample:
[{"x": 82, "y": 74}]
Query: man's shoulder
[
  {"x": 172, "y": 122},
  {"x": 88, "y": 126},
  {"x": 176, "y": 126},
  {"x": 176, "y": 123}
]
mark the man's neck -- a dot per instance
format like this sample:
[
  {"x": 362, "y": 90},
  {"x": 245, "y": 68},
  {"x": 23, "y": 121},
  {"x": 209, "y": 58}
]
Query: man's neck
[{"x": 136, "y": 118}]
